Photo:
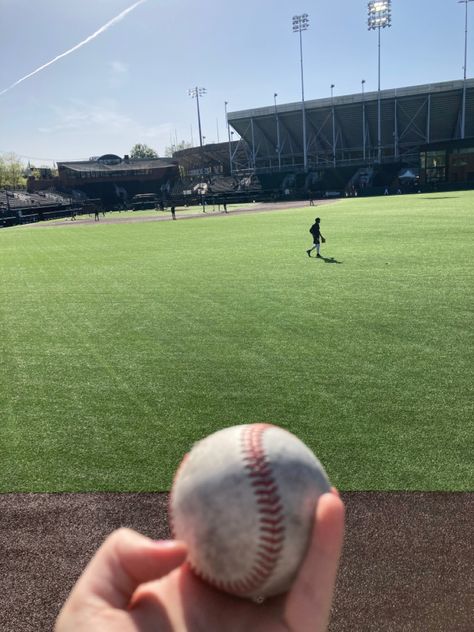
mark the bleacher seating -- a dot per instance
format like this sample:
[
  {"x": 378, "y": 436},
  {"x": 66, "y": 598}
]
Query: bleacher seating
[
  {"x": 20, "y": 207},
  {"x": 223, "y": 184}
]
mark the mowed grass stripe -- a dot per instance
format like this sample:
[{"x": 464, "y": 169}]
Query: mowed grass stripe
[{"x": 123, "y": 344}]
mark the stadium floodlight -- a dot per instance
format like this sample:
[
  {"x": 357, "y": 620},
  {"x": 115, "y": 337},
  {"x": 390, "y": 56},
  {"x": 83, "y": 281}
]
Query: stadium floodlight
[
  {"x": 300, "y": 24},
  {"x": 379, "y": 17},
  {"x": 463, "y": 113},
  {"x": 195, "y": 93},
  {"x": 277, "y": 120},
  {"x": 363, "y": 118}
]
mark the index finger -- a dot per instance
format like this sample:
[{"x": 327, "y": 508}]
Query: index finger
[{"x": 123, "y": 562}]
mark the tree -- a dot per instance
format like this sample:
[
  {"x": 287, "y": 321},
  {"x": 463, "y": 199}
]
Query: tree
[
  {"x": 3, "y": 173},
  {"x": 142, "y": 151},
  {"x": 169, "y": 151},
  {"x": 12, "y": 172}
]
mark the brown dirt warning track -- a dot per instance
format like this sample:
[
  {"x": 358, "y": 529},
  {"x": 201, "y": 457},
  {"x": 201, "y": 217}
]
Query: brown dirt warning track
[
  {"x": 117, "y": 218},
  {"x": 407, "y": 564}
]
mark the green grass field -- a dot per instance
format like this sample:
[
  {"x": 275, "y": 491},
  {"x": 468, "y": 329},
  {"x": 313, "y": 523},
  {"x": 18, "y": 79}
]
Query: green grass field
[{"x": 121, "y": 345}]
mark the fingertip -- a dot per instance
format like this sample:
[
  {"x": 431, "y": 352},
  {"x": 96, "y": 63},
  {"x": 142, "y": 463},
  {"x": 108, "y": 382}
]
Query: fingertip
[
  {"x": 170, "y": 549},
  {"x": 329, "y": 521},
  {"x": 311, "y": 595},
  {"x": 169, "y": 545}
]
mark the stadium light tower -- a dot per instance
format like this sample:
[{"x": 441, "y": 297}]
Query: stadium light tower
[
  {"x": 195, "y": 93},
  {"x": 379, "y": 17},
  {"x": 300, "y": 24},
  {"x": 463, "y": 113}
]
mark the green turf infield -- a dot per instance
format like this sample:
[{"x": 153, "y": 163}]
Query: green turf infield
[{"x": 121, "y": 345}]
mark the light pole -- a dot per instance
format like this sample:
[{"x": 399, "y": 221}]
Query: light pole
[
  {"x": 463, "y": 112},
  {"x": 195, "y": 93},
  {"x": 278, "y": 130},
  {"x": 226, "y": 103},
  {"x": 363, "y": 118},
  {"x": 300, "y": 24},
  {"x": 379, "y": 16},
  {"x": 333, "y": 127}
]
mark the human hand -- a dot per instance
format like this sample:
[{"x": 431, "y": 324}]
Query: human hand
[
  {"x": 128, "y": 586},
  {"x": 100, "y": 600}
]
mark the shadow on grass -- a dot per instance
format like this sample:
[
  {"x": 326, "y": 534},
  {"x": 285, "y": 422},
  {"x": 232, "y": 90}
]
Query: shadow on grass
[
  {"x": 329, "y": 259},
  {"x": 441, "y": 197}
]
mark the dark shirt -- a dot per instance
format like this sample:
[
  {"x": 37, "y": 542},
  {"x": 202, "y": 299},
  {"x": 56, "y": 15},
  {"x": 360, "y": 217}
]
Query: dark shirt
[{"x": 314, "y": 230}]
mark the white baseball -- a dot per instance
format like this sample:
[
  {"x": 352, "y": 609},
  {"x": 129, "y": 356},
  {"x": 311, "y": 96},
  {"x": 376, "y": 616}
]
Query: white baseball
[{"x": 243, "y": 500}]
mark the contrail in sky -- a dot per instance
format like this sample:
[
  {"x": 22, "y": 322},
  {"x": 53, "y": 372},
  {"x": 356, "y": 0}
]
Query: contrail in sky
[{"x": 106, "y": 26}]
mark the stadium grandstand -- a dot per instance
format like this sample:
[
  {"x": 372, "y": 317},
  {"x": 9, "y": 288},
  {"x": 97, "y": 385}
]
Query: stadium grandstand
[
  {"x": 426, "y": 139},
  {"x": 426, "y": 143},
  {"x": 113, "y": 179},
  {"x": 210, "y": 160},
  {"x": 20, "y": 207}
]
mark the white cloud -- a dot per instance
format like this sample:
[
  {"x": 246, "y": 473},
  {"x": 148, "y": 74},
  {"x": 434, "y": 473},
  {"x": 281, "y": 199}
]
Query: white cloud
[
  {"x": 118, "y": 75},
  {"x": 118, "y": 67},
  {"x": 104, "y": 118}
]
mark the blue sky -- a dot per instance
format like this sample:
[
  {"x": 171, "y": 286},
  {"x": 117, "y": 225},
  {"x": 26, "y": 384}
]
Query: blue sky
[{"x": 130, "y": 84}]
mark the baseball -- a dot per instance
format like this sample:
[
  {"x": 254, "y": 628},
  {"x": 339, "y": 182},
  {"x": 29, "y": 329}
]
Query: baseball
[{"x": 243, "y": 500}]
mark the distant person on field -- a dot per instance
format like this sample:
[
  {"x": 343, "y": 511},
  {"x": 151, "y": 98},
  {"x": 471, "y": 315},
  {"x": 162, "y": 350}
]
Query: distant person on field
[
  {"x": 317, "y": 237},
  {"x": 96, "y": 215},
  {"x": 134, "y": 584},
  {"x": 311, "y": 199},
  {"x": 173, "y": 212}
]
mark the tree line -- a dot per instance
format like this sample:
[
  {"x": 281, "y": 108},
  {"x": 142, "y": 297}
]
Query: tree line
[{"x": 140, "y": 150}]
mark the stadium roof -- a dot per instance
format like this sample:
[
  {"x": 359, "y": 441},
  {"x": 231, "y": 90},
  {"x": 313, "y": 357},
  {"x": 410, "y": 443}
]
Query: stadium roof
[
  {"x": 344, "y": 129},
  {"x": 115, "y": 165}
]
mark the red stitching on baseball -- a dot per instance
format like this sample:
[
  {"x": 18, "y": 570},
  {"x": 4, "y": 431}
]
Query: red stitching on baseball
[{"x": 271, "y": 527}]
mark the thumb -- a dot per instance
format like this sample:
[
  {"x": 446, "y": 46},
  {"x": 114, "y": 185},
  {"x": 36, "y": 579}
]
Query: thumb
[
  {"x": 124, "y": 561},
  {"x": 310, "y": 598}
]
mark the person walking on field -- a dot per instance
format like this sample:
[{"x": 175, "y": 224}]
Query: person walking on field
[{"x": 317, "y": 237}]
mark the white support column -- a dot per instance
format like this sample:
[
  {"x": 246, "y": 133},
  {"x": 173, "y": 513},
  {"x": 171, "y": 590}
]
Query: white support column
[
  {"x": 395, "y": 130},
  {"x": 253, "y": 144}
]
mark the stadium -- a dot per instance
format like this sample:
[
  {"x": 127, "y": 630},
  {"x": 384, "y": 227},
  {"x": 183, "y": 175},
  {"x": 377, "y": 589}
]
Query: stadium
[
  {"x": 150, "y": 302},
  {"x": 426, "y": 144}
]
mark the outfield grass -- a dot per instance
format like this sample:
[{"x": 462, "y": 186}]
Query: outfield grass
[{"x": 123, "y": 344}]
